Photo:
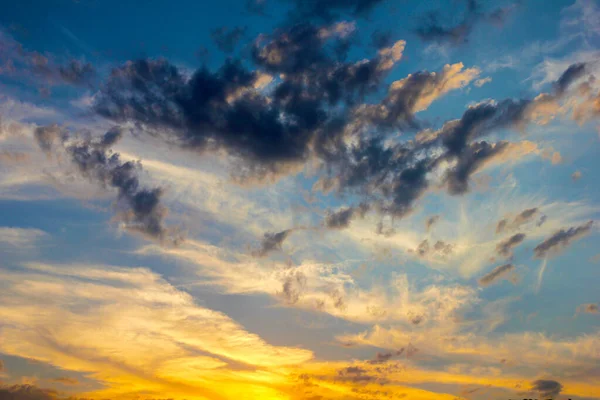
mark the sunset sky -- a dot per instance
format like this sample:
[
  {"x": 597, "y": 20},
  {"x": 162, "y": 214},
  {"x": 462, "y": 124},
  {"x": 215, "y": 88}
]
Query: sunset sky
[{"x": 299, "y": 199}]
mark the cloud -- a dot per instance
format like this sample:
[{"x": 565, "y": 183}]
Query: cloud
[
  {"x": 505, "y": 248},
  {"x": 431, "y": 221},
  {"x": 524, "y": 217},
  {"x": 570, "y": 75},
  {"x": 272, "y": 241},
  {"x": 26, "y": 392},
  {"x": 21, "y": 237},
  {"x": 482, "y": 81},
  {"x": 440, "y": 248},
  {"x": 496, "y": 274},
  {"x": 153, "y": 337},
  {"x": 590, "y": 308},
  {"x": 42, "y": 68},
  {"x": 47, "y": 135},
  {"x": 432, "y": 30},
  {"x": 227, "y": 39},
  {"x": 341, "y": 219},
  {"x": 140, "y": 209},
  {"x": 547, "y": 388},
  {"x": 561, "y": 239},
  {"x": 77, "y": 73}
]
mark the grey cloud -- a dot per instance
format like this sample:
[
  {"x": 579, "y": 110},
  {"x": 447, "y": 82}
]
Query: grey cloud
[
  {"x": 496, "y": 274},
  {"x": 431, "y": 221},
  {"x": 341, "y": 219},
  {"x": 293, "y": 286},
  {"x": 505, "y": 248},
  {"x": 571, "y": 74},
  {"x": 140, "y": 208},
  {"x": 381, "y": 358},
  {"x": 520, "y": 219},
  {"x": 439, "y": 248},
  {"x": 272, "y": 241},
  {"x": 590, "y": 308},
  {"x": 77, "y": 73},
  {"x": 524, "y": 217},
  {"x": 561, "y": 239},
  {"x": 46, "y": 136},
  {"x": 309, "y": 113},
  {"x": 547, "y": 389},
  {"x": 26, "y": 392},
  {"x": 501, "y": 225}
]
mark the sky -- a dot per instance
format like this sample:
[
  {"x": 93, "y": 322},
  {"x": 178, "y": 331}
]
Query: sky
[{"x": 299, "y": 199}]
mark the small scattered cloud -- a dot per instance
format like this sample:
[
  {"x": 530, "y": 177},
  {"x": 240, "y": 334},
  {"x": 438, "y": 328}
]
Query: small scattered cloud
[
  {"x": 561, "y": 239},
  {"x": 482, "y": 81},
  {"x": 496, "y": 274}
]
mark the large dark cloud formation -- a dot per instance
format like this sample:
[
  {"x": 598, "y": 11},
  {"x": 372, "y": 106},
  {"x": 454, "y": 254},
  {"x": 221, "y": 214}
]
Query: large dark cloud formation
[
  {"x": 139, "y": 208},
  {"x": 314, "y": 108}
]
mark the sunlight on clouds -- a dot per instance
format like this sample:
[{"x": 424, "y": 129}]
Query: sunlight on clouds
[{"x": 151, "y": 333}]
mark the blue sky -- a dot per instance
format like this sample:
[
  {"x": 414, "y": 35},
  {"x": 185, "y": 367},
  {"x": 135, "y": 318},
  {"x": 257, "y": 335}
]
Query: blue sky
[{"x": 288, "y": 199}]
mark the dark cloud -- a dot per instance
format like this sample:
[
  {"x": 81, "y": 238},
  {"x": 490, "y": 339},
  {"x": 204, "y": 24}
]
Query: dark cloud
[
  {"x": 431, "y": 221},
  {"x": 574, "y": 72},
  {"x": 314, "y": 110},
  {"x": 505, "y": 248},
  {"x": 501, "y": 225},
  {"x": 26, "y": 392},
  {"x": 522, "y": 218},
  {"x": 331, "y": 9},
  {"x": 341, "y": 219},
  {"x": 433, "y": 30},
  {"x": 46, "y": 136},
  {"x": 561, "y": 239},
  {"x": 355, "y": 375},
  {"x": 381, "y": 358},
  {"x": 470, "y": 161},
  {"x": 541, "y": 221},
  {"x": 77, "y": 73},
  {"x": 440, "y": 248},
  {"x": 227, "y": 39},
  {"x": 224, "y": 109},
  {"x": 139, "y": 208},
  {"x": 590, "y": 308},
  {"x": 28, "y": 65},
  {"x": 547, "y": 389},
  {"x": 292, "y": 288},
  {"x": 496, "y": 274},
  {"x": 272, "y": 241}
]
